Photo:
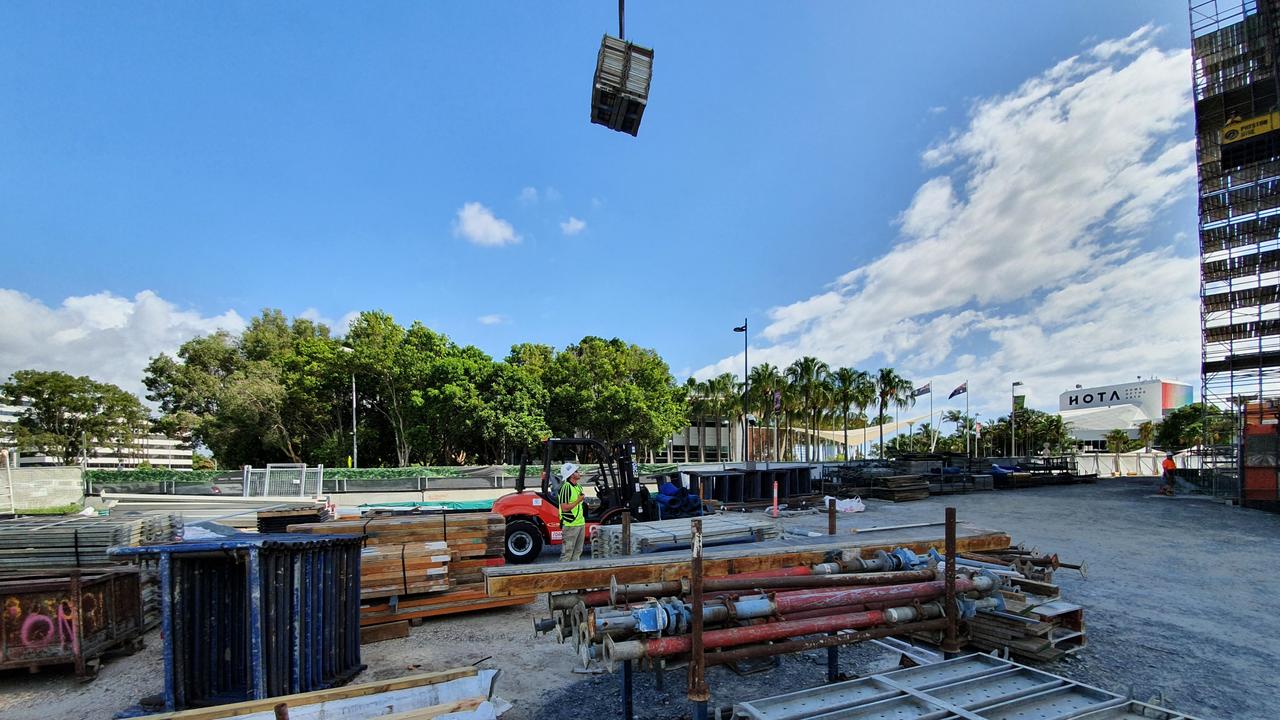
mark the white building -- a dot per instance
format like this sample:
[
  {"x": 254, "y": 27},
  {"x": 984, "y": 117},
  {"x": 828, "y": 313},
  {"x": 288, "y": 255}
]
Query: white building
[
  {"x": 157, "y": 450},
  {"x": 1093, "y": 412}
]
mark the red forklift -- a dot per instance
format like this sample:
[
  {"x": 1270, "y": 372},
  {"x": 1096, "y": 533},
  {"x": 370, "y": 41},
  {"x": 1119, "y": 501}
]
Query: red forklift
[{"x": 533, "y": 516}]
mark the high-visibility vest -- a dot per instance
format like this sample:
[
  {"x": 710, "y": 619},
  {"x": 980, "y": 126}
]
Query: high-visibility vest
[{"x": 568, "y": 493}]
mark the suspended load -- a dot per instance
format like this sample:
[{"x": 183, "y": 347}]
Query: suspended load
[{"x": 621, "y": 87}]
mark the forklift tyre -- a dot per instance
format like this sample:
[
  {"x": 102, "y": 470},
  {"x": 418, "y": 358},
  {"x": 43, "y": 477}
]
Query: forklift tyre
[{"x": 524, "y": 542}]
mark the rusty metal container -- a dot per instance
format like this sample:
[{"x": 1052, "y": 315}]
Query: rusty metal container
[{"x": 68, "y": 618}]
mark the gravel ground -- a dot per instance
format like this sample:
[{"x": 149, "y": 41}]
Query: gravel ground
[{"x": 1179, "y": 603}]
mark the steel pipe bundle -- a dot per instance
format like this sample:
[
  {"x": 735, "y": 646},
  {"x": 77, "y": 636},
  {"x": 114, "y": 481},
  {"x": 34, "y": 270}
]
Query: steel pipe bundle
[
  {"x": 655, "y": 620},
  {"x": 753, "y": 634}
]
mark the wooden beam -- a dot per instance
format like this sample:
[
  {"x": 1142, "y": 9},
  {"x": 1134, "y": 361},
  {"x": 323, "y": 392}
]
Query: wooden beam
[
  {"x": 249, "y": 707},
  {"x": 435, "y": 711},
  {"x": 512, "y": 580}
]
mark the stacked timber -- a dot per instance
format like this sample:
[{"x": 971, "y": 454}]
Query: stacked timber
[
  {"x": 901, "y": 488},
  {"x": 416, "y": 566},
  {"x": 408, "y": 569},
  {"x": 662, "y": 535}
]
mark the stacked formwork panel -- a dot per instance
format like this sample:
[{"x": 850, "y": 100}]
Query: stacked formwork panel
[
  {"x": 1235, "y": 48},
  {"x": 247, "y": 617}
]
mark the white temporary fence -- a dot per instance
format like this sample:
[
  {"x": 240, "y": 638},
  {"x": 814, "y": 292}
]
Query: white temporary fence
[
  {"x": 283, "y": 480},
  {"x": 1138, "y": 463}
]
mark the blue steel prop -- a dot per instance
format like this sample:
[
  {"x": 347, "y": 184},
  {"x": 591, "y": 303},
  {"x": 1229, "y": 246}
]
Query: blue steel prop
[{"x": 247, "y": 617}]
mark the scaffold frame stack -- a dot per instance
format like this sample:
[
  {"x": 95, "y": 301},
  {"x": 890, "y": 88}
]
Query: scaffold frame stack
[{"x": 1234, "y": 56}]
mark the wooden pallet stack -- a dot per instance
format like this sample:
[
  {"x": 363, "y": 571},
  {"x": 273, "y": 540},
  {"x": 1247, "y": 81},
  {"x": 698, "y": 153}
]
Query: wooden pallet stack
[
  {"x": 408, "y": 569},
  {"x": 418, "y": 566},
  {"x": 901, "y": 488},
  {"x": 1032, "y": 628}
]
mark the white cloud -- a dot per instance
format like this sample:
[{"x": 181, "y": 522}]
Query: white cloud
[
  {"x": 1029, "y": 245},
  {"x": 493, "y": 319},
  {"x": 105, "y": 336},
  {"x": 528, "y": 195},
  {"x": 336, "y": 327},
  {"x": 480, "y": 226},
  {"x": 573, "y": 226}
]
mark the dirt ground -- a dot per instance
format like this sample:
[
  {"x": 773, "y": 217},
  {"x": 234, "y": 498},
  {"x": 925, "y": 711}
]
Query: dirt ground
[{"x": 1180, "y": 602}]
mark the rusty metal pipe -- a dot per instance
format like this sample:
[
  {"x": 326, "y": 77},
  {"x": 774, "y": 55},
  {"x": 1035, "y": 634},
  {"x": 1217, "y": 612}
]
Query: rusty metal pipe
[
  {"x": 793, "y": 646},
  {"x": 754, "y": 634},
  {"x": 621, "y": 593},
  {"x": 638, "y": 591}
]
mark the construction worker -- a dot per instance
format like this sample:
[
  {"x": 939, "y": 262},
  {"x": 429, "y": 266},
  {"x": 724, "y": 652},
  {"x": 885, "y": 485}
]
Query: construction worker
[
  {"x": 1168, "y": 466},
  {"x": 573, "y": 525}
]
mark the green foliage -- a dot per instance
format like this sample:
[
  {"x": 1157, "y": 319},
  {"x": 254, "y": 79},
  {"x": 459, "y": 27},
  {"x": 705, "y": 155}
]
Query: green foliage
[
  {"x": 1192, "y": 425},
  {"x": 64, "y": 413},
  {"x": 1117, "y": 441},
  {"x": 281, "y": 391},
  {"x": 52, "y": 510},
  {"x": 611, "y": 390},
  {"x": 152, "y": 475}
]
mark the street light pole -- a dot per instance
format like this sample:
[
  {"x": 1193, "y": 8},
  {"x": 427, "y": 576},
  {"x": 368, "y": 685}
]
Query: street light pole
[
  {"x": 355, "y": 451},
  {"x": 746, "y": 392}
]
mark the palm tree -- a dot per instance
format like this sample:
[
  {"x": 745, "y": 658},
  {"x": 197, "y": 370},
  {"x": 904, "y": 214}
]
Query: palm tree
[
  {"x": 806, "y": 374},
  {"x": 864, "y": 393},
  {"x": 724, "y": 399},
  {"x": 892, "y": 389},
  {"x": 765, "y": 381},
  {"x": 1117, "y": 440},
  {"x": 844, "y": 384},
  {"x": 1147, "y": 433},
  {"x": 702, "y": 401}
]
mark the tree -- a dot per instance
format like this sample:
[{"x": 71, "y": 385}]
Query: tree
[
  {"x": 1146, "y": 433},
  {"x": 891, "y": 389},
  {"x": 1191, "y": 425},
  {"x": 844, "y": 387},
  {"x": 613, "y": 390},
  {"x": 1118, "y": 441},
  {"x": 275, "y": 392},
  {"x": 766, "y": 386},
  {"x": 807, "y": 375},
  {"x": 66, "y": 416}
]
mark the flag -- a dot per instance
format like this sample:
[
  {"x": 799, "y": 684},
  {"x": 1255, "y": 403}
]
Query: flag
[
  {"x": 964, "y": 388},
  {"x": 777, "y": 400},
  {"x": 741, "y": 328},
  {"x": 1019, "y": 402},
  {"x": 923, "y": 390}
]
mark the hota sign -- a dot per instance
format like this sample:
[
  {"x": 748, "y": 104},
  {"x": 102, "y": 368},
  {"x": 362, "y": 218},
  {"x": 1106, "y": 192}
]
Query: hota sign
[
  {"x": 1145, "y": 394},
  {"x": 1090, "y": 398}
]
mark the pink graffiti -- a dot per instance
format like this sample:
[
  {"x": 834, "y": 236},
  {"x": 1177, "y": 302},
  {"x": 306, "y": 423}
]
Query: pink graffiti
[{"x": 39, "y": 631}]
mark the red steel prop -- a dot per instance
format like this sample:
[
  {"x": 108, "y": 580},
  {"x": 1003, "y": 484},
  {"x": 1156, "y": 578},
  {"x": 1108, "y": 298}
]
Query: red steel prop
[{"x": 752, "y": 634}]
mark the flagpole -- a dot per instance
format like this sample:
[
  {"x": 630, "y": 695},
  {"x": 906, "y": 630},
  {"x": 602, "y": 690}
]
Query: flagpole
[{"x": 930, "y": 415}]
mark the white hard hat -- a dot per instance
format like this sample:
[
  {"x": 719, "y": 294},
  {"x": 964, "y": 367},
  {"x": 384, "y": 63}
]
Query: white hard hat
[{"x": 568, "y": 469}]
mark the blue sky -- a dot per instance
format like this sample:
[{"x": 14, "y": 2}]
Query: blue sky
[{"x": 174, "y": 167}]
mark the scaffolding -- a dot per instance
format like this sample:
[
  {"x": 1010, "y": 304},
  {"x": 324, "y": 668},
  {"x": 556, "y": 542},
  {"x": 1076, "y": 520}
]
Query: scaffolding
[{"x": 1234, "y": 51}]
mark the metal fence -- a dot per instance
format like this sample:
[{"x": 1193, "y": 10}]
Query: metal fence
[{"x": 284, "y": 480}]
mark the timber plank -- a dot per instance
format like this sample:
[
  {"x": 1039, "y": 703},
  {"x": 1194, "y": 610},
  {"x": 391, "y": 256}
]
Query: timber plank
[{"x": 248, "y": 707}]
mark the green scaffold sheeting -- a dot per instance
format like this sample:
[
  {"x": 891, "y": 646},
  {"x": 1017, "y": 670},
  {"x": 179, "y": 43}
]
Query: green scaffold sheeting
[{"x": 474, "y": 505}]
